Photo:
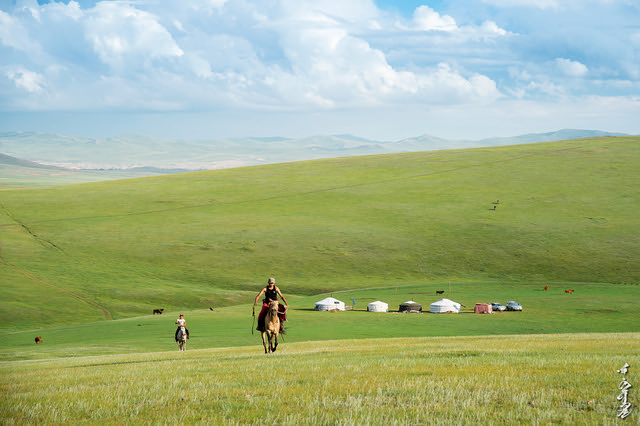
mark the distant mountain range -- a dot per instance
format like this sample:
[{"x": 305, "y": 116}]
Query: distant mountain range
[{"x": 170, "y": 155}]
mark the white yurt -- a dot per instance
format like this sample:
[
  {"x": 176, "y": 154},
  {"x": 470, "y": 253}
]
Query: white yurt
[
  {"x": 329, "y": 304},
  {"x": 445, "y": 305},
  {"x": 378, "y": 306}
]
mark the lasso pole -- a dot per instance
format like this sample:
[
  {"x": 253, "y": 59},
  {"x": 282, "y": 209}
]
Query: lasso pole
[{"x": 254, "y": 319}]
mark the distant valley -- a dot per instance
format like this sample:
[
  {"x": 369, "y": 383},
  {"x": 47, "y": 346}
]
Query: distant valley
[{"x": 150, "y": 155}]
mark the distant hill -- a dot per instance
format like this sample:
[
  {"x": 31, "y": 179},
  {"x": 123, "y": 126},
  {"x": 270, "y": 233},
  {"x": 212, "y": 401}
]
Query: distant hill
[
  {"x": 560, "y": 135},
  {"x": 567, "y": 213},
  {"x": 17, "y": 173},
  {"x": 6, "y": 160},
  {"x": 140, "y": 151}
]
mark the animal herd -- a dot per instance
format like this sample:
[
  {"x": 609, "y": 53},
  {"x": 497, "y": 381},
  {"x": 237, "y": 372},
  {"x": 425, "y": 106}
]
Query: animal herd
[{"x": 566, "y": 291}]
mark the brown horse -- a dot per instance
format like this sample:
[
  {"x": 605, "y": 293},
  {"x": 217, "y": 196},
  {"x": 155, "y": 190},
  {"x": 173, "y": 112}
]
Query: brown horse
[{"x": 271, "y": 328}]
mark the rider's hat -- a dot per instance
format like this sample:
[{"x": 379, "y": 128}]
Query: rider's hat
[
  {"x": 271, "y": 281},
  {"x": 181, "y": 315}
]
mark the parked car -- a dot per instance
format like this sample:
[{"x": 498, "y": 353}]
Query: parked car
[
  {"x": 513, "y": 306},
  {"x": 498, "y": 307}
]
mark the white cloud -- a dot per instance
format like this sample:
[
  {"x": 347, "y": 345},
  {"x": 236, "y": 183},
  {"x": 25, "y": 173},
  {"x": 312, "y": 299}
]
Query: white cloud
[
  {"x": 59, "y": 11},
  {"x": 312, "y": 55},
  {"x": 14, "y": 34},
  {"x": 30, "y": 81},
  {"x": 571, "y": 68},
  {"x": 120, "y": 33},
  {"x": 427, "y": 19},
  {"x": 490, "y": 27}
]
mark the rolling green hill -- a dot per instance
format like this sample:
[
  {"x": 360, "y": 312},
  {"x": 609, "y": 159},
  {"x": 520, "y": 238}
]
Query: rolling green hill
[{"x": 567, "y": 211}]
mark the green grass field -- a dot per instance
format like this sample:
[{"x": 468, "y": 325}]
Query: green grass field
[
  {"x": 567, "y": 213},
  {"x": 551, "y": 379},
  {"x": 84, "y": 265},
  {"x": 593, "y": 308}
]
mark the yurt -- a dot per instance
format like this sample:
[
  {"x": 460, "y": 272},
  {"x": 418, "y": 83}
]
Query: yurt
[
  {"x": 378, "y": 306},
  {"x": 410, "y": 306},
  {"x": 483, "y": 308},
  {"x": 445, "y": 305},
  {"x": 329, "y": 304}
]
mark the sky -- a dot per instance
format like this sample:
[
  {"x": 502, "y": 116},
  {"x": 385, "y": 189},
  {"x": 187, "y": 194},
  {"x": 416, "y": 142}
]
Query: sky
[{"x": 382, "y": 70}]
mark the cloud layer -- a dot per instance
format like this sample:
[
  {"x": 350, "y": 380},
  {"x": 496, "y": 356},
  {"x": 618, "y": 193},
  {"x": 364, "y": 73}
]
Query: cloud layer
[{"x": 322, "y": 55}]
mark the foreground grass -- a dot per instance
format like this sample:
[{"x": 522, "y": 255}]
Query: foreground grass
[{"x": 554, "y": 379}]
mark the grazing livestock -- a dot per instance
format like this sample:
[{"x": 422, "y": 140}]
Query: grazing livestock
[
  {"x": 158, "y": 311},
  {"x": 38, "y": 340},
  {"x": 439, "y": 291},
  {"x": 546, "y": 287},
  {"x": 568, "y": 291}
]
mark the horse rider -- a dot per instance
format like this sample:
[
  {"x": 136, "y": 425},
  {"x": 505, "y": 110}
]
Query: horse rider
[
  {"x": 271, "y": 292},
  {"x": 182, "y": 325}
]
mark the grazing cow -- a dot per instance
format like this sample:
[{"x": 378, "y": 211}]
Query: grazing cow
[
  {"x": 568, "y": 291},
  {"x": 439, "y": 291},
  {"x": 546, "y": 287},
  {"x": 158, "y": 311},
  {"x": 38, "y": 340}
]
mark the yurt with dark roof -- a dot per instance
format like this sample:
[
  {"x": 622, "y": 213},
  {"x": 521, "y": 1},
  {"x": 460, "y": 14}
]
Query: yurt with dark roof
[{"x": 410, "y": 306}]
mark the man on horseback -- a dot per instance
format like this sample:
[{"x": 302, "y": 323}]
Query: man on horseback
[
  {"x": 271, "y": 292},
  {"x": 182, "y": 327}
]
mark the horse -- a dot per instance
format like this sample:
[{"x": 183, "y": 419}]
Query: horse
[
  {"x": 181, "y": 338},
  {"x": 271, "y": 328}
]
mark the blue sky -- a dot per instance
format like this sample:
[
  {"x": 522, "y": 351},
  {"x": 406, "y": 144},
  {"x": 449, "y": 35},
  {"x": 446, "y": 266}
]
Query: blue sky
[{"x": 385, "y": 70}]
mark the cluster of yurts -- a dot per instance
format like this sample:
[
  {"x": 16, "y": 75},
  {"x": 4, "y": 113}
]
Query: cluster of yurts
[{"x": 441, "y": 306}]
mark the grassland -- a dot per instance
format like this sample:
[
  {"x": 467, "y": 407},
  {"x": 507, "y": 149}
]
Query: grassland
[
  {"x": 84, "y": 265},
  {"x": 552, "y": 379},
  {"x": 567, "y": 212},
  {"x": 593, "y": 308}
]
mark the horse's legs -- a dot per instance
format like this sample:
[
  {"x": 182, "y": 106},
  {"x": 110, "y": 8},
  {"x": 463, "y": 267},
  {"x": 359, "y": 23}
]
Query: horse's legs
[
  {"x": 264, "y": 342},
  {"x": 275, "y": 345}
]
